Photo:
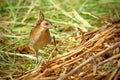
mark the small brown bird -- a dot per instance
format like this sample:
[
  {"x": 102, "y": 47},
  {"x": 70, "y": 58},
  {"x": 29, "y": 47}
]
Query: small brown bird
[{"x": 40, "y": 35}]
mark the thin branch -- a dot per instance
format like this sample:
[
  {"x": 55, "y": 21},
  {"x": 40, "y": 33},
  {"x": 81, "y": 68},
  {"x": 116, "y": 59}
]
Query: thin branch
[
  {"x": 109, "y": 59},
  {"x": 117, "y": 75},
  {"x": 87, "y": 61},
  {"x": 115, "y": 71}
]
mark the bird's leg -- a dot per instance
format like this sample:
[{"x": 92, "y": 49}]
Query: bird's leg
[
  {"x": 36, "y": 54},
  {"x": 34, "y": 51},
  {"x": 54, "y": 42}
]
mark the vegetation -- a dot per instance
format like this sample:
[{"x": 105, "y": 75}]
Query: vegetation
[{"x": 18, "y": 17}]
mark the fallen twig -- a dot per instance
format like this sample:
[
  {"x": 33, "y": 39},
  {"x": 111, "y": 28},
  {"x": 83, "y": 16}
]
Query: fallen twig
[{"x": 87, "y": 61}]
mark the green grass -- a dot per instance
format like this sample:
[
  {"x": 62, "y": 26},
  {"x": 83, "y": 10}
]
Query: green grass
[{"x": 18, "y": 17}]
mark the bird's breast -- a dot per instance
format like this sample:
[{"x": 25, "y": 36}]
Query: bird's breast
[{"x": 40, "y": 39}]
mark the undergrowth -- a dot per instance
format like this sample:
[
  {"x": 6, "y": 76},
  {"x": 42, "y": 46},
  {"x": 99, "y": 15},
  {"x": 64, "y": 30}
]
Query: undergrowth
[{"x": 18, "y": 17}]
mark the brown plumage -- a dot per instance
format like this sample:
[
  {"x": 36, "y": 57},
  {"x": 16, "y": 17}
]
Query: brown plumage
[{"x": 40, "y": 35}]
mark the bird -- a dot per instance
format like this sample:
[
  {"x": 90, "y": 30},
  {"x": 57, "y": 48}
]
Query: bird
[{"x": 40, "y": 34}]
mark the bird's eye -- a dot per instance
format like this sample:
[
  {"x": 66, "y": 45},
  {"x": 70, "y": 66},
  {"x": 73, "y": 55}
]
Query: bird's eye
[{"x": 46, "y": 23}]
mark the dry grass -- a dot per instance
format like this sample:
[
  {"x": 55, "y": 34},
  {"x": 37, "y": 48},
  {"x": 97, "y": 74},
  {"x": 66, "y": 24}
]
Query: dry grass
[
  {"x": 71, "y": 18},
  {"x": 96, "y": 58}
]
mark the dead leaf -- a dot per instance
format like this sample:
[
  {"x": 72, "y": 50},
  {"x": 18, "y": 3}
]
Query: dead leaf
[
  {"x": 25, "y": 49},
  {"x": 4, "y": 41}
]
